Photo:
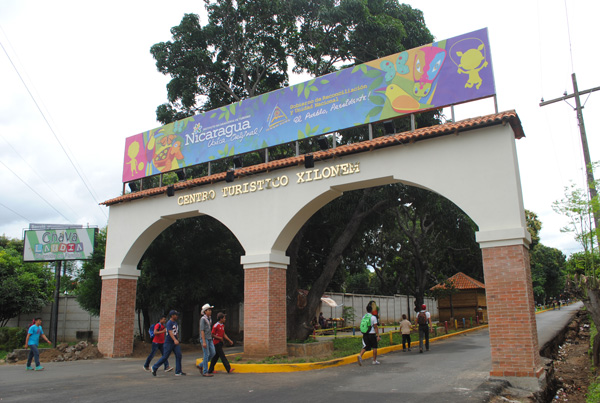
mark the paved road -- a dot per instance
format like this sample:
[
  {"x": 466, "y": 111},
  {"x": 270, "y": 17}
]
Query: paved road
[{"x": 455, "y": 370}]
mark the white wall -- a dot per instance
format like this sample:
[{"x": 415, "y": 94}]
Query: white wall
[{"x": 71, "y": 318}]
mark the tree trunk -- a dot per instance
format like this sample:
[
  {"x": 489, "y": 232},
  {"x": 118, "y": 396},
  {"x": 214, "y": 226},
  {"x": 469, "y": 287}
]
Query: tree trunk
[
  {"x": 147, "y": 324},
  {"x": 592, "y": 305},
  {"x": 301, "y": 326}
]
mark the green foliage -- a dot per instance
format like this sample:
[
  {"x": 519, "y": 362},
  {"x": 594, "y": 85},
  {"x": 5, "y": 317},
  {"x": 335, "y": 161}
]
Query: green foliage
[
  {"x": 182, "y": 271},
  {"x": 12, "y": 338},
  {"x": 548, "y": 272},
  {"x": 348, "y": 314},
  {"x": 89, "y": 284},
  {"x": 24, "y": 287},
  {"x": 534, "y": 226}
]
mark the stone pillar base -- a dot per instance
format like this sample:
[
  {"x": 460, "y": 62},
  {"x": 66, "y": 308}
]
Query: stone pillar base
[
  {"x": 511, "y": 312},
  {"x": 264, "y": 312},
  {"x": 117, "y": 317}
]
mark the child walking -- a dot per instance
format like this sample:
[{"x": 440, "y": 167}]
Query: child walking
[{"x": 405, "y": 329}]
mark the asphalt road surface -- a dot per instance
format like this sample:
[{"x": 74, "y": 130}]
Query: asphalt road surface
[{"x": 454, "y": 370}]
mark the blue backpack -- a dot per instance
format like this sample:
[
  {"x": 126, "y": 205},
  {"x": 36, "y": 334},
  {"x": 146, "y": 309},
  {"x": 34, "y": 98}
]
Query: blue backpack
[{"x": 151, "y": 331}]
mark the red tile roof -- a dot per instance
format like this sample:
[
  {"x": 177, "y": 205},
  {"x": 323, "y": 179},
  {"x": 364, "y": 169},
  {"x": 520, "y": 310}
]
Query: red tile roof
[
  {"x": 462, "y": 282},
  {"x": 508, "y": 117}
]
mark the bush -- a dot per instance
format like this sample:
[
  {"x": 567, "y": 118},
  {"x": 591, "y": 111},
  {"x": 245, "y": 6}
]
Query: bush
[{"x": 12, "y": 338}]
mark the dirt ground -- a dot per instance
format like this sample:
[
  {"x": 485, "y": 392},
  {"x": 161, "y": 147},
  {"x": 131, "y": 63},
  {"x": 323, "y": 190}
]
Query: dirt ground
[{"x": 571, "y": 366}]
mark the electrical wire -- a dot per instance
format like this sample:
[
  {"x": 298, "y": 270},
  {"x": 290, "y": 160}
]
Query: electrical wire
[
  {"x": 33, "y": 190},
  {"x": 13, "y": 211},
  {"x": 53, "y": 133}
]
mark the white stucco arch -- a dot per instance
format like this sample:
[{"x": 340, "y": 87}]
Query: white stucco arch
[{"x": 472, "y": 163}]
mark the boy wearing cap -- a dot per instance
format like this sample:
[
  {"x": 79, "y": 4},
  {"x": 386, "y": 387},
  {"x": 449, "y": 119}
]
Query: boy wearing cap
[
  {"x": 171, "y": 344},
  {"x": 218, "y": 332},
  {"x": 424, "y": 321},
  {"x": 208, "y": 348}
]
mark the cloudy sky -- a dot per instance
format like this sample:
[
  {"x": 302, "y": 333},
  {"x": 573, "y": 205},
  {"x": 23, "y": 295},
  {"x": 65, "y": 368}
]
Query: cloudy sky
[{"x": 88, "y": 67}]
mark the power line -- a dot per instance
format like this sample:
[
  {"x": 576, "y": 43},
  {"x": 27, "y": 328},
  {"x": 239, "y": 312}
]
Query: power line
[
  {"x": 52, "y": 131},
  {"x": 38, "y": 175},
  {"x": 33, "y": 190},
  {"x": 13, "y": 211}
]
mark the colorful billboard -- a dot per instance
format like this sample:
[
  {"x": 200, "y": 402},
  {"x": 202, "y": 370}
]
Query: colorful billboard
[
  {"x": 440, "y": 74},
  {"x": 59, "y": 244}
]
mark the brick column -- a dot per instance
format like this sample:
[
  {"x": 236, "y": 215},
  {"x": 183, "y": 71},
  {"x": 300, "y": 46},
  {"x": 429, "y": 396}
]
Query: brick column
[
  {"x": 117, "y": 316},
  {"x": 511, "y": 312},
  {"x": 264, "y": 305}
]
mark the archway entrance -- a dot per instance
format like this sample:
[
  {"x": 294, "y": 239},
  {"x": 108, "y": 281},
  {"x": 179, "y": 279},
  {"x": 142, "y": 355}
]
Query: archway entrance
[{"x": 473, "y": 163}]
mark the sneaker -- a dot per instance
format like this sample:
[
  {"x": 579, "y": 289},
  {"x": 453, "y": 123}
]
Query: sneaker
[
  {"x": 153, "y": 372},
  {"x": 231, "y": 370},
  {"x": 169, "y": 369},
  {"x": 28, "y": 368},
  {"x": 359, "y": 359},
  {"x": 376, "y": 363},
  {"x": 207, "y": 374},
  {"x": 181, "y": 374},
  {"x": 39, "y": 368},
  {"x": 146, "y": 368}
]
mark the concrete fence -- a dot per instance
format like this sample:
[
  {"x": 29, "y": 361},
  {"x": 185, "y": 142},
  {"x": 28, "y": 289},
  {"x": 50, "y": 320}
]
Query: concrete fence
[
  {"x": 391, "y": 308},
  {"x": 74, "y": 323}
]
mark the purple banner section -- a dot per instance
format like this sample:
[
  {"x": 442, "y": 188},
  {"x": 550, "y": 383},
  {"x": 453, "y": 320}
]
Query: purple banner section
[{"x": 433, "y": 76}]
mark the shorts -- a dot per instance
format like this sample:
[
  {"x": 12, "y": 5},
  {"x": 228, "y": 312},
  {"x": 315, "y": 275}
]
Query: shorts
[{"x": 369, "y": 341}]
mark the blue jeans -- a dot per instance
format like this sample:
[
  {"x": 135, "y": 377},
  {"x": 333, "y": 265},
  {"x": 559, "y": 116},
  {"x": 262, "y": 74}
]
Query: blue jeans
[
  {"x": 33, "y": 353},
  {"x": 209, "y": 353},
  {"x": 156, "y": 346},
  {"x": 423, "y": 334},
  {"x": 168, "y": 348}
]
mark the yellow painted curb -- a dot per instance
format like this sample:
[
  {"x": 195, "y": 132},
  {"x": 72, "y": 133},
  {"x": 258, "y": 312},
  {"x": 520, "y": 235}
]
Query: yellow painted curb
[{"x": 309, "y": 366}]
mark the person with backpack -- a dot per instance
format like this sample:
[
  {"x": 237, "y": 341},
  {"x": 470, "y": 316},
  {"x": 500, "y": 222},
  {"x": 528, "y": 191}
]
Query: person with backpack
[
  {"x": 424, "y": 321},
  {"x": 157, "y": 335},
  {"x": 370, "y": 331},
  {"x": 33, "y": 341},
  {"x": 171, "y": 345}
]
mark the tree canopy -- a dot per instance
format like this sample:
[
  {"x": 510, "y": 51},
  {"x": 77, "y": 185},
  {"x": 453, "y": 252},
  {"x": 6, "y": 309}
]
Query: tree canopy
[{"x": 24, "y": 287}]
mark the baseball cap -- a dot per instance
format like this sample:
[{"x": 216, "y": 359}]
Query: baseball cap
[
  {"x": 173, "y": 312},
  {"x": 423, "y": 306}
]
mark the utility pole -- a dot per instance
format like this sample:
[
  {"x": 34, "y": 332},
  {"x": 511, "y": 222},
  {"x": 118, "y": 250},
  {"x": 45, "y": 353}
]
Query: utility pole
[{"x": 586, "y": 152}]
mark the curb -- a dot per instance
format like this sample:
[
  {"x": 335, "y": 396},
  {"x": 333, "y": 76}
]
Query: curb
[{"x": 310, "y": 366}]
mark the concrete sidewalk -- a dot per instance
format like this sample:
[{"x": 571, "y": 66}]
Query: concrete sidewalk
[{"x": 455, "y": 370}]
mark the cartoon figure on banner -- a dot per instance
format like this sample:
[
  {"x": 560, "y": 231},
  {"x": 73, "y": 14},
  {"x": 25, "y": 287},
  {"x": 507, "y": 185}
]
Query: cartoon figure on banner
[
  {"x": 406, "y": 92},
  {"x": 133, "y": 151},
  {"x": 166, "y": 150},
  {"x": 428, "y": 62},
  {"x": 471, "y": 63}
]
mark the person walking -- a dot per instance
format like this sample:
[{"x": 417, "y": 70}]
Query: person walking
[
  {"x": 219, "y": 335},
  {"x": 171, "y": 344},
  {"x": 424, "y": 321},
  {"x": 405, "y": 329},
  {"x": 208, "y": 348},
  {"x": 33, "y": 341},
  {"x": 370, "y": 331},
  {"x": 158, "y": 344}
]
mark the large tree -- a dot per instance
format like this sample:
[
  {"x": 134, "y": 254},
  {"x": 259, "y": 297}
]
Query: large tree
[
  {"x": 243, "y": 51},
  {"x": 24, "y": 287}
]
